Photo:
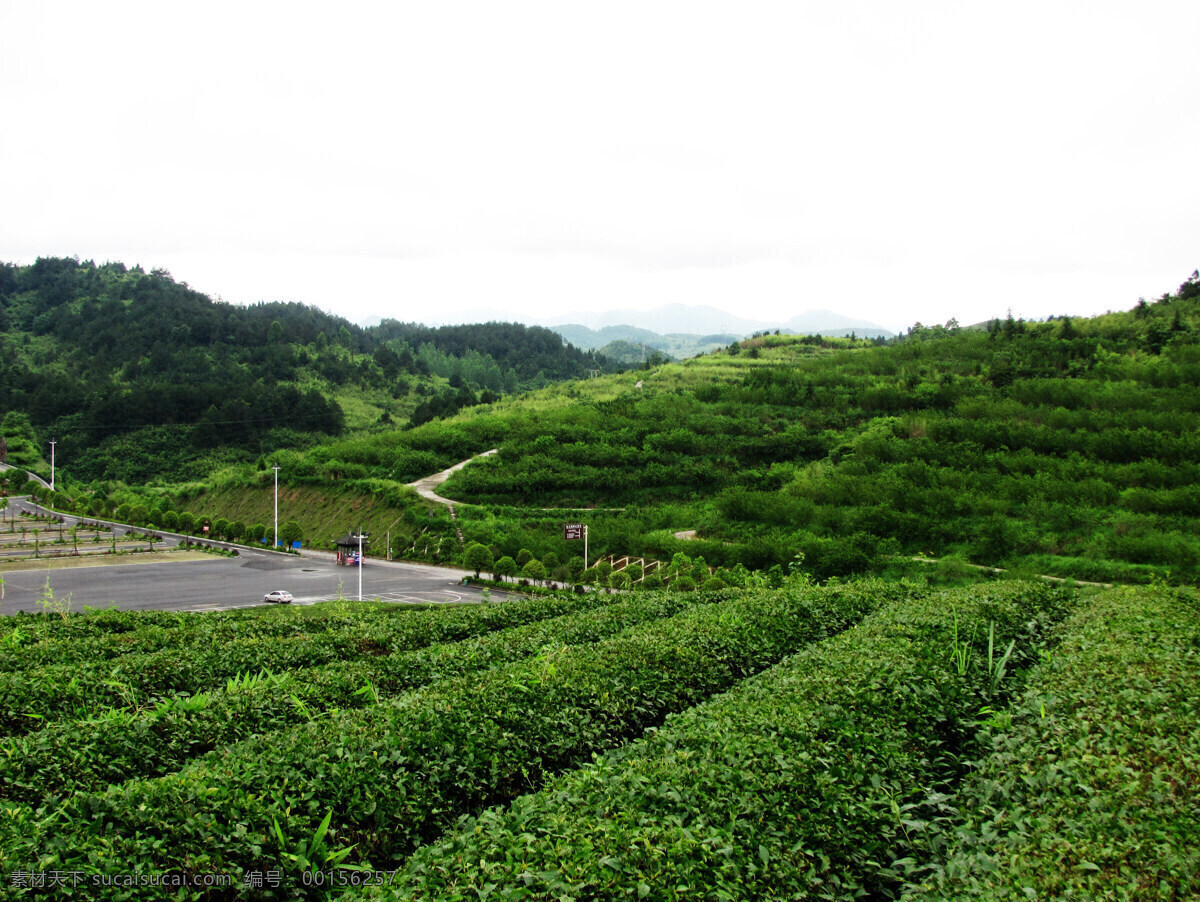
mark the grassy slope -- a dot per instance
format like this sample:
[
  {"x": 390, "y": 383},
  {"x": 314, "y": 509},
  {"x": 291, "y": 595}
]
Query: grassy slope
[
  {"x": 965, "y": 442},
  {"x": 326, "y": 513}
]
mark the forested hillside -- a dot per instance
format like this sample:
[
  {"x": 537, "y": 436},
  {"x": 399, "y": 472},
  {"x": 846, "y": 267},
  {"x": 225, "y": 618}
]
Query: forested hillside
[
  {"x": 1066, "y": 447},
  {"x": 136, "y": 375}
]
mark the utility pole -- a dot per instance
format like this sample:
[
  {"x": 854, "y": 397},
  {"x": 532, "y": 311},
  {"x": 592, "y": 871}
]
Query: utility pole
[
  {"x": 52, "y": 444},
  {"x": 276, "y": 469}
]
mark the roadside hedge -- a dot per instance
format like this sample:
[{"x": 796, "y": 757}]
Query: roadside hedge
[
  {"x": 818, "y": 779},
  {"x": 389, "y": 778},
  {"x": 1091, "y": 792}
]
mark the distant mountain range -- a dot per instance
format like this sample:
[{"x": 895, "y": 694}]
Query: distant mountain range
[
  {"x": 677, "y": 319},
  {"x": 680, "y": 330},
  {"x": 629, "y": 344}
]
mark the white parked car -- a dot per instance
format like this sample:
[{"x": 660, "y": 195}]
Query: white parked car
[{"x": 279, "y": 595}]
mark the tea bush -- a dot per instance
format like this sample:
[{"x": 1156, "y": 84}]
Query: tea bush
[
  {"x": 36, "y": 696},
  {"x": 818, "y": 779},
  {"x": 75, "y": 756},
  {"x": 396, "y": 775},
  {"x": 1091, "y": 794}
]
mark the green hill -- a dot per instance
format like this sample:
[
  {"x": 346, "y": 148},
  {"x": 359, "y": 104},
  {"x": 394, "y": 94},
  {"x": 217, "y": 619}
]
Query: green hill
[
  {"x": 1067, "y": 446},
  {"x": 137, "y": 376},
  {"x": 634, "y": 355}
]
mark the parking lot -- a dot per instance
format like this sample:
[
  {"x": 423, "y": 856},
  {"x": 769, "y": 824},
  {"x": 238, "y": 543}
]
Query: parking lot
[{"x": 183, "y": 583}]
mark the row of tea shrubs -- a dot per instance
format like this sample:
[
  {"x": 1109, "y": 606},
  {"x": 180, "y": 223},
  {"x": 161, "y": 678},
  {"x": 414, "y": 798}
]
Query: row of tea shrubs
[
  {"x": 818, "y": 779},
  {"x": 199, "y": 659},
  {"x": 959, "y": 744},
  {"x": 378, "y": 782},
  {"x": 77, "y": 755}
]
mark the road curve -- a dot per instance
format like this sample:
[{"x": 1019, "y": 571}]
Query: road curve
[
  {"x": 426, "y": 485},
  {"x": 33, "y": 476}
]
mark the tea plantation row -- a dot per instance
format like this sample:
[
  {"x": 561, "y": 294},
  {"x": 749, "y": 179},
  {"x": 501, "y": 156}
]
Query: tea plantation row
[
  {"x": 866, "y": 767},
  {"x": 201, "y": 659},
  {"x": 868, "y": 740},
  {"x": 397, "y": 774},
  {"x": 76, "y": 755},
  {"x": 1090, "y": 790},
  {"x": 819, "y": 777}
]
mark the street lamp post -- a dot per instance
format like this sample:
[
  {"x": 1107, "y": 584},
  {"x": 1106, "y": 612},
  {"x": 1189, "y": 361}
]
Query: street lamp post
[
  {"x": 276, "y": 469},
  {"x": 361, "y": 535},
  {"x": 52, "y": 444}
]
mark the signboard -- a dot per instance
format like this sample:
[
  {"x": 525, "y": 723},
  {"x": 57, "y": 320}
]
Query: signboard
[
  {"x": 295, "y": 544},
  {"x": 573, "y": 531}
]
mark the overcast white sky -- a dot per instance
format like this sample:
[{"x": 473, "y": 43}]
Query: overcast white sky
[{"x": 891, "y": 161}]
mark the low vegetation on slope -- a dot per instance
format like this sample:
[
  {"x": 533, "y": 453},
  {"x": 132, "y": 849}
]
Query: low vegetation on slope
[
  {"x": 1067, "y": 447},
  {"x": 829, "y": 765},
  {"x": 395, "y": 772},
  {"x": 878, "y": 738}
]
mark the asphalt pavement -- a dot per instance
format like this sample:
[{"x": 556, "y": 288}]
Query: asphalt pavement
[{"x": 221, "y": 583}]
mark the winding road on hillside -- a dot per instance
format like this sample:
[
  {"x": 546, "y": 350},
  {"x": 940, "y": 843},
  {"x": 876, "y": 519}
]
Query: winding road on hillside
[
  {"x": 33, "y": 476},
  {"x": 426, "y": 486}
]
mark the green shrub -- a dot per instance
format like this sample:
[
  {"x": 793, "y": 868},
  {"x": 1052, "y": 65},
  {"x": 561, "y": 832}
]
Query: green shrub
[
  {"x": 619, "y": 579},
  {"x": 506, "y": 567},
  {"x": 1089, "y": 787},
  {"x": 121, "y": 745},
  {"x": 33, "y": 697},
  {"x": 817, "y": 779},
  {"x": 397, "y": 774}
]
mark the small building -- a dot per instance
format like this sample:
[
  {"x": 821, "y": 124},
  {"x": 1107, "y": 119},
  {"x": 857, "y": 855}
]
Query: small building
[{"x": 348, "y": 546}]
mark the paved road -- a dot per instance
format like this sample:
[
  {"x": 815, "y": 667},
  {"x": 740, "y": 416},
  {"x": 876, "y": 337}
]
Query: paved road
[
  {"x": 221, "y": 583},
  {"x": 33, "y": 476},
  {"x": 426, "y": 487}
]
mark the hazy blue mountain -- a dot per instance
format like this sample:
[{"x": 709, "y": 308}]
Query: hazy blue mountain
[
  {"x": 586, "y": 338},
  {"x": 704, "y": 320},
  {"x": 647, "y": 326},
  {"x": 630, "y": 354}
]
